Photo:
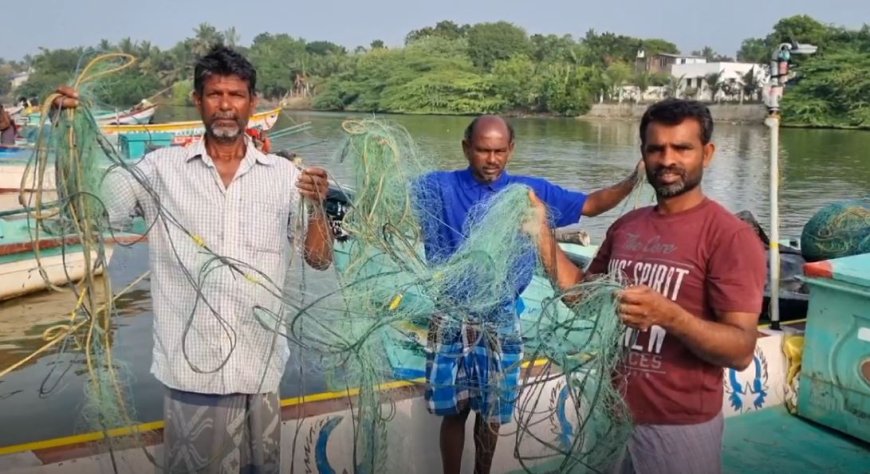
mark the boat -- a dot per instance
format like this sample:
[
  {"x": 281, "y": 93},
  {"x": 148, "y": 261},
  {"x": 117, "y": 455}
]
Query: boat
[
  {"x": 187, "y": 131},
  {"x": 14, "y": 152},
  {"x": 13, "y": 165},
  {"x": 139, "y": 114},
  {"x": 60, "y": 257},
  {"x": 761, "y": 433},
  {"x": 133, "y": 142},
  {"x": 142, "y": 113}
]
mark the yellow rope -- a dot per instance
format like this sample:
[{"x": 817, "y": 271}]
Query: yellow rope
[
  {"x": 71, "y": 165},
  {"x": 793, "y": 348}
]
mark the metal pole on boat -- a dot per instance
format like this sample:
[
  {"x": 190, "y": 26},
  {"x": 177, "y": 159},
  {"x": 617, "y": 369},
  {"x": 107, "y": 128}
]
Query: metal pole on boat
[
  {"x": 772, "y": 122},
  {"x": 779, "y": 75}
]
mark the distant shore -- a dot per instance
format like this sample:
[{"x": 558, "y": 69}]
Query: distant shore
[
  {"x": 729, "y": 113},
  {"x": 740, "y": 114}
]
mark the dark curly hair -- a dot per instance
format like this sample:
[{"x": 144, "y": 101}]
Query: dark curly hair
[{"x": 224, "y": 61}]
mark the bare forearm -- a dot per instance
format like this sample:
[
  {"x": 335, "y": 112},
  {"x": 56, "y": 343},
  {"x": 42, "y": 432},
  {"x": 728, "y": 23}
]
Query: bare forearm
[
  {"x": 715, "y": 342},
  {"x": 318, "y": 242},
  {"x": 562, "y": 271},
  {"x": 606, "y": 199}
]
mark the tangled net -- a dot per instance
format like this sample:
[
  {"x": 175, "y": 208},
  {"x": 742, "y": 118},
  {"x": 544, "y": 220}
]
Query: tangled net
[
  {"x": 385, "y": 275},
  {"x": 390, "y": 290},
  {"x": 72, "y": 147},
  {"x": 837, "y": 230}
]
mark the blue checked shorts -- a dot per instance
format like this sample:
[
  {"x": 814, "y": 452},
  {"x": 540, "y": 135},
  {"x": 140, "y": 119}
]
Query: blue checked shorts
[{"x": 478, "y": 370}]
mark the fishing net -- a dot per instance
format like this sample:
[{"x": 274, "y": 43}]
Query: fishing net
[
  {"x": 466, "y": 300},
  {"x": 373, "y": 328},
  {"x": 66, "y": 210},
  {"x": 837, "y": 230}
]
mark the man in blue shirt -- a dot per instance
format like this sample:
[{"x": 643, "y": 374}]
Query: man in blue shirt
[{"x": 466, "y": 368}]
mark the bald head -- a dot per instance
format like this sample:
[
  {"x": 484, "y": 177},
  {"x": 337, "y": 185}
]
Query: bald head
[
  {"x": 484, "y": 123},
  {"x": 488, "y": 145}
]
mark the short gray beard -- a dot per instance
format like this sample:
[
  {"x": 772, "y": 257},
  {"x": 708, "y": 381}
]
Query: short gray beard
[{"x": 225, "y": 133}]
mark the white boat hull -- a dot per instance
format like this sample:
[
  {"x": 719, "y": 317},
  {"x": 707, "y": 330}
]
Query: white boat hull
[
  {"x": 128, "y": 117},
  {"x": 323, "y": 442},
  {"x": 11, "y": 178},
  {"x": 22, "y": 277}
]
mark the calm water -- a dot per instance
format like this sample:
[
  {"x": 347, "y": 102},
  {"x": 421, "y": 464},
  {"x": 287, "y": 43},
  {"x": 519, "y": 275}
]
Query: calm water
[{"x": 43, "y": 399}]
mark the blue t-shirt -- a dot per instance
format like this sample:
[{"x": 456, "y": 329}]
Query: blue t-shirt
[{"x": 449, "y": 195}]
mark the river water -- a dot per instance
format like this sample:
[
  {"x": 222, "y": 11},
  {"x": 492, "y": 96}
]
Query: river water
[{"x": 43, "y": 399}]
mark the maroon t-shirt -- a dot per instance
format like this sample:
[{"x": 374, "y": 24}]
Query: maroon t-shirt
[{"x": 706, "y": 260}]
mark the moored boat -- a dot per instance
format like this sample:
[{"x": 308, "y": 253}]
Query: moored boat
[
  {"x": 187, "y": 131},
  {"x": 28, "y": 266}
]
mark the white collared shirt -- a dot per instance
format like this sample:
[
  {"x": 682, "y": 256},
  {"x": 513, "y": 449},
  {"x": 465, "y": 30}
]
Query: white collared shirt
[{"x": 209, "y": 334}]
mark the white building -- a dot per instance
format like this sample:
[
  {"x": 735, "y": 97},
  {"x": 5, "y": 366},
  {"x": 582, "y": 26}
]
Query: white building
[
  {"x": 19, "y": 78},
  {"x": 694, "y": 83}
]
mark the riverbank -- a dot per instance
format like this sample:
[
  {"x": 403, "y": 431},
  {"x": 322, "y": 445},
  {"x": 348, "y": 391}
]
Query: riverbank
[
  {"x": 738, "y": 114},
  {"x": 747, "y": 113},
  {"x": 731, "y": 113}
]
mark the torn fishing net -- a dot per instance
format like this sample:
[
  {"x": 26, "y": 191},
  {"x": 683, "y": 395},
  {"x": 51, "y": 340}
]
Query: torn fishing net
[{"x": 403, "y": 303}]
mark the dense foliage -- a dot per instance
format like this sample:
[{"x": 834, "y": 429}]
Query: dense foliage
[{"x": 464, "y": 69}]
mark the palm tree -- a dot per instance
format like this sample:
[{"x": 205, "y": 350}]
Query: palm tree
[
  {"x": 714, "y": 83},
  {"x": 642, "y": 81},
  {"x": 672, "y": 88},
  {"x": 750, "y": 85},
  {"x": 231, "y": 37},
  {"x": 207, "y": 36}
]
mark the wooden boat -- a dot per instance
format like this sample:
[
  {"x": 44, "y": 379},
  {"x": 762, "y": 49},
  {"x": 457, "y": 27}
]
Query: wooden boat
[
  {"x": 61, "y": 258},
  {"x": 189, "y": 130},
  {"x": 317, "y": 428},
  {"x": 13, "y": 163},
  {"x": 141, "y": 113},
  {"x": 134, "y": 142}
]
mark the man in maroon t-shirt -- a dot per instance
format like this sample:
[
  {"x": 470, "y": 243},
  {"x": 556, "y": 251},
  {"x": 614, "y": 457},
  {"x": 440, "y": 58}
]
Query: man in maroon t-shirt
[{"x": 696, "y": 277}]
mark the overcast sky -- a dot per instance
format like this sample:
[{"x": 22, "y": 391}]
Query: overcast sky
[{"x": 30, "y": 24}]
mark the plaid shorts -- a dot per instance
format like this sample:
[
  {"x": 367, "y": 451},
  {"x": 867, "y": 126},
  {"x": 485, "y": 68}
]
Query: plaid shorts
[{"x": 480, "y": 371}]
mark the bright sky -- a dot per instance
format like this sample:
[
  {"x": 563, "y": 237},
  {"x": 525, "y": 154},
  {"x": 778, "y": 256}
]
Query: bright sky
[{"x": 30, "y": 24}]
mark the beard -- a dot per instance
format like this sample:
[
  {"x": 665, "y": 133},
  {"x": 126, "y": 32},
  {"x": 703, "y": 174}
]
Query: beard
[
  {"x": 220, "y": 129},
  {"x": 684, "y": 183}
]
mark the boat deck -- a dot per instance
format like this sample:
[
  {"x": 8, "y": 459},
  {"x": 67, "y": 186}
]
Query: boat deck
[{"x": 773, "y": 440}]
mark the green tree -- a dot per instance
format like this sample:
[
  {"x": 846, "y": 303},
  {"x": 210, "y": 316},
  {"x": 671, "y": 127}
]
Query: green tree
[
  {"x": 615, "y": 77},
  {"x": 800, "y": 28},
  {"x": 711, "y": 55},
  {"x": 656, "y": 46},
  {"x": 834, "y": 90},
  {"x": 553, "y": 48},
  {"x": 206, "y": 37},
  {"x": 323, "y": 48},
  {"x": 50, "y": 68},
  {"x": 513, "y": 80},
  {"x": 490, "y": 42},
  {"x": 278, "y": 59},
  {"x": 754, "y": 50},
  {"x": 751, "y": 85},
  {"x": 714, "y": 84},
  {"x": 642, "y": 80},
  {"x": 445, "y": 29}
]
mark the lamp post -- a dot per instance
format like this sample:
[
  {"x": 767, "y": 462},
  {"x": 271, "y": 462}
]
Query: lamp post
[{"x": 779, "y": 64}]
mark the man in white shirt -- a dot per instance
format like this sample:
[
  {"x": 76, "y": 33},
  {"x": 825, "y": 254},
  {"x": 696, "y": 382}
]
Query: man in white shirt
[{"x": 222, "y": 217}]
